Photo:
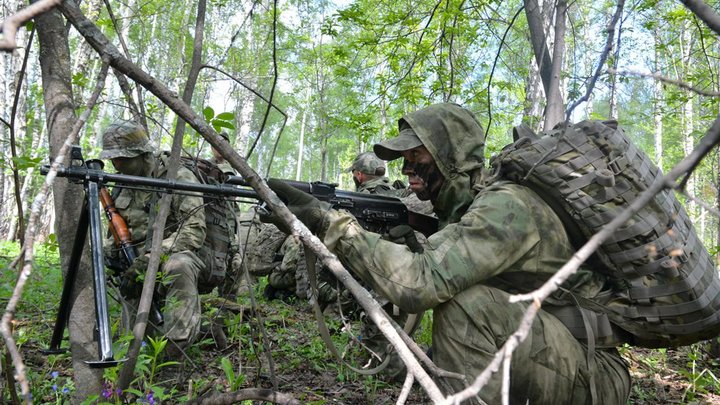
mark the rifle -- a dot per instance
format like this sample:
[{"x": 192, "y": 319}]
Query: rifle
[{"x": 375, "y": 213}]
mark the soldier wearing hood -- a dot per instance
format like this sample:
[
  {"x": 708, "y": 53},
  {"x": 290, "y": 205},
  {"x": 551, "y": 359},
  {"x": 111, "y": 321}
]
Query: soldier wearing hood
[{"x": 493, "y": 241}]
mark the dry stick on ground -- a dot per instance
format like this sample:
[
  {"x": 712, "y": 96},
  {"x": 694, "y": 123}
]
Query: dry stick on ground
[
  {"x": 260, "y": 394},
  {"x": 35, "y": 210},
  {"x": 707, "y": 143},
  {"x": 10, "y": 25},
  {"x": 102, "y": 45}
]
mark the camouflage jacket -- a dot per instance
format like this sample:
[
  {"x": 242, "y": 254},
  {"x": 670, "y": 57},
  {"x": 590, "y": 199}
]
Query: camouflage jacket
[
  {"x": 185, "y": 226},
  {"x": 380, "y": 185},
  {"x": 503, "y": 235}
]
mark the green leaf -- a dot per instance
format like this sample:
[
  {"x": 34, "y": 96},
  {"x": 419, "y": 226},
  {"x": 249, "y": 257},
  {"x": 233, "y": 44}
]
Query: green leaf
[
  {"x": 226, "y": 116},
  {"x": 228, "y": 369},
  {"x": 25, "y": 162},
  {"x": 209, "y": 113},
  {"x": 222, "y": 124}
]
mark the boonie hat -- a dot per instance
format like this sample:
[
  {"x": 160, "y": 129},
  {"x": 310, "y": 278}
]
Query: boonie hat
[
  {"x": 368, "y": 163},
  {"x": 124, "y": 138},
  {"x": 390, "y": 149}
]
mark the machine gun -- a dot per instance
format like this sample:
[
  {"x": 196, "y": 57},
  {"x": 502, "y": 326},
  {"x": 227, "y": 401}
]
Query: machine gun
[{"x": 376, "y": 213}]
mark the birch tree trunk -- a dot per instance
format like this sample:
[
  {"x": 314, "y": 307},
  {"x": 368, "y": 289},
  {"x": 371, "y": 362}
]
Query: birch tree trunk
[
  {"x": 60, "y": 118},
  {"x": 549, "y": 64},
  {"x": 658, "y": 106},
  {"x": 687, "y": 119}
]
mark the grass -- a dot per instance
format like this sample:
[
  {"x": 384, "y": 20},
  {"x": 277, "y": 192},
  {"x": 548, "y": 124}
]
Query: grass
[{"x": 303, "y": 366}]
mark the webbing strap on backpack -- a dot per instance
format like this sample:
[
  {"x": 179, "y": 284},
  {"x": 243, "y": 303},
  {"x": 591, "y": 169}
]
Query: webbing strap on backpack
[{"x": 664, "y": 286}]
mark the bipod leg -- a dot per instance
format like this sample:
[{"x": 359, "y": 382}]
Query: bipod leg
[
  {"x": 105, "y": 350},
  {"x": 69, "y": 283}
]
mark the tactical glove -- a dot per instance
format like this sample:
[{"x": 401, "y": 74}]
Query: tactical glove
[
  {"x": 308, "y": 209},
  {"x": 404, "y": 234}
]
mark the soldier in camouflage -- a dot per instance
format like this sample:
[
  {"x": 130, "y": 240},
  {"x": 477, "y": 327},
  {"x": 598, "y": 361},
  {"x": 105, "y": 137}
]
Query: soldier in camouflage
[
  {"x": 368, "y": 173},
  {"x": 493, "y": 241},
  {"x": 236, "y": 278},
  {"x": 126, "y": 145}
]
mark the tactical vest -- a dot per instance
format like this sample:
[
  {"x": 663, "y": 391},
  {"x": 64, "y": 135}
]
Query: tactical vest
[
  {"x": 664, "y": 289},
  {"x": 220, "y": 225}
]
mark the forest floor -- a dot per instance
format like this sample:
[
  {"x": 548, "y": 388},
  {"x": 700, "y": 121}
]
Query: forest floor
[{"x": 302, "y": 366}]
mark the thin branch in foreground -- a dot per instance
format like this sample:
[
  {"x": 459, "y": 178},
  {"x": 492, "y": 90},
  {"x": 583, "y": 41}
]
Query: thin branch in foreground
[
  {"x": 705, "y": 146},
  {"x": 664, "y": 79},
  {"x": 102, "y": 45},
  {"x": 37, "y": 207},
  {"x": 9, "y": 27}
]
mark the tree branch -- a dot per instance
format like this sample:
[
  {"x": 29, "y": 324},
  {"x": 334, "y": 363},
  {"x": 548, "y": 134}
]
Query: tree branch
[
  {"x": 36, "y": 209},
  {"x": 603, "y": 57},
  {"x": 705, "y": 13},
  {"x": 10, "y": 25},
  {"x": 665, "y": 79},
  {"x": 260, "y": 394},
  {"x": 706, "y": 145},
  {"x": 101, "y": 44}
]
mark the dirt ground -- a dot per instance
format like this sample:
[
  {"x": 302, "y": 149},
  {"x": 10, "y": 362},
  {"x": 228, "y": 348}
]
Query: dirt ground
[{"x": 304, "y": 369}]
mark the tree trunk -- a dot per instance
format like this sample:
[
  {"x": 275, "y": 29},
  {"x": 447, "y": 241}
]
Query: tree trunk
[
  {"x": 657, "y": 107},
  {"x": 60, "y": 115},
  {"x": 613, "y": 77},
  {"x": 301, "y": 142},
  {"x": 687, "y": 119},
  {"x": 549, "y": 65}
]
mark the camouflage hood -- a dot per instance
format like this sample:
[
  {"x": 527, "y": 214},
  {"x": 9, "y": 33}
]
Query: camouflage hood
[{"x": 454, "y": 137}]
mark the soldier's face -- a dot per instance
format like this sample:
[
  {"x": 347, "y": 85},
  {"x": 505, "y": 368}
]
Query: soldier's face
[
  {"x": 423, "y": 174},
  {"x": 133, "y": 166}
]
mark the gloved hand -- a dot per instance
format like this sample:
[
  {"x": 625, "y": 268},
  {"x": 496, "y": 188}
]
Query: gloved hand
[
  {"x": 404, "y": 234},
  {"x": 308, "y": 209},
  {"x": 130, "y": 286}
]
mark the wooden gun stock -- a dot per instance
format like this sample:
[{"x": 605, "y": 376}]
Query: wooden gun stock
[{"x": 118, "y": 226}]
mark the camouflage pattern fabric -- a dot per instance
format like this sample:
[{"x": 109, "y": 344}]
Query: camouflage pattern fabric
[
  {"x": 235, "y": 278},
  {"x": 380, "y": 185},
  {"x": 368, "y": 163},
  {"x": 500, "y": 240},
  {"x": 183, "y": 235}
]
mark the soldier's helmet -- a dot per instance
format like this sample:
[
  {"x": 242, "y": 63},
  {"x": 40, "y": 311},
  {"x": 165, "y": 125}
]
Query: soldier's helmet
[
  {"x": 124, "y": 139},
  {"x": 368, "y": 163}
]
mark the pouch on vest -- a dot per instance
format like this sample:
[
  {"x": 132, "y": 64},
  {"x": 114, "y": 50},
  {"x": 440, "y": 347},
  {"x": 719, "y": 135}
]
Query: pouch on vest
[{"x": 665, "y": 289}]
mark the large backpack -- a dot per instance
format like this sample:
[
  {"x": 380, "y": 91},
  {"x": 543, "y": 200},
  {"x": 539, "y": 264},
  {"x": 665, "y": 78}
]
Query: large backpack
[
  {"x": 220, "y": 225},
  {"x": 665, "y": 289}
]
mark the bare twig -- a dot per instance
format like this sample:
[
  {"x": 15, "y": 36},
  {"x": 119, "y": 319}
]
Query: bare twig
[
  {"x": 707, "y": 143},
  {"x": 103, "y": 46},
  {"x": 603, "y": 57},
  {"x": 36, "y": 209},
  {"x": 260, "y": 394},
  {"x": 664, "y": 79},
  {"x": 10, "y": 25}
]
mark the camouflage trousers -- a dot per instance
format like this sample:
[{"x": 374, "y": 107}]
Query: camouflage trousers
[
  {"x": 549, "y": 367},
  {"x": 178, "y": 298}
]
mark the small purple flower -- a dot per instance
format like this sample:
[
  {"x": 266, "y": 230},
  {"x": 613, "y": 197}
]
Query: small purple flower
[
  {"x": 106, "y": 393},
  {"x": 151, "y": 398},
  {"x": 54, "y": 387},
  {"x": 54, "y": 374},
  {"x": 66, "y": 390},
  {"x": 143, "y": 344}
]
